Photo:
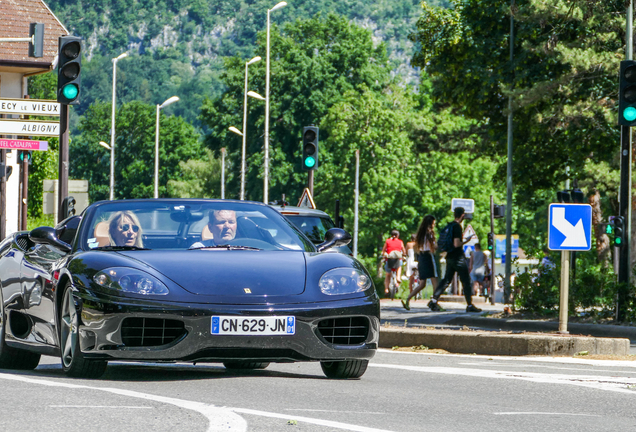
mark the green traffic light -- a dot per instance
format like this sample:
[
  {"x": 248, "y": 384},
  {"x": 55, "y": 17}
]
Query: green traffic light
[
  {"x": 310, "y": 162},
  {"x": 618, "y": 241},
  {"x": 70, "y": 91},
  {"x": 629, "y": 113},
  {"x": 608, "y": 229}
]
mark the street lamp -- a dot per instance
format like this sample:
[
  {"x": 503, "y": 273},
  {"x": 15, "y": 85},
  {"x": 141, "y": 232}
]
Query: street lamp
[
  {"x": 105, "y": 145},
  {"x": 172, "y": 100},
  {"x": 266, "y": 158},
  {"x": 112, "y": 129},
  {"x": 244, "y": 134},
  {"x": 254, "y": 95}
]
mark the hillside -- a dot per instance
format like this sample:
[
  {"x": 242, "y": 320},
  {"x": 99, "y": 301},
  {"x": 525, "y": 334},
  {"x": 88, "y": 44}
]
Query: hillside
[{"x": 177, "y": 47}]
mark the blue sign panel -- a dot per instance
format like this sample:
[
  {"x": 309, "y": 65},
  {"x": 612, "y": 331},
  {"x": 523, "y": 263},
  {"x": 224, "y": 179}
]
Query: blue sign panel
[
  {"x": 500, "y": 246},
  {"x": 570, "y": 227}
]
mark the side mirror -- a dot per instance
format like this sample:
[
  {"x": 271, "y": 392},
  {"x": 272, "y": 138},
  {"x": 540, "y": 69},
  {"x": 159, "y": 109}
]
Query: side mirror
[
  {"x": 46, "y": 235},
  {"x": 333, "y": 238}
]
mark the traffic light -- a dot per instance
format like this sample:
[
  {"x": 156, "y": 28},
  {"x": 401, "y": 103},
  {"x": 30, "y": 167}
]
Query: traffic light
[
  {"x": 499, "y": 211},
  {"x": 563, "y": 196},
  {"x": 310, "y": 148},
  {"x": 68, "y": 70},
  {"x": 36, "y": 46},
  {"x": 5, "y": 171},
  {"x": 25, "y": 155},
  {"x": 68, "y": 207},
  {"x": 619, "y": 231},
  {"x": 627, "y": 94},
  {"x": 491, "y": 241}
]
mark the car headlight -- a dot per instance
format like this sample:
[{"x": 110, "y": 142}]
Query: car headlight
[
  {"x": 130, "y": 280},
  {"x": 344, "y": 281}
]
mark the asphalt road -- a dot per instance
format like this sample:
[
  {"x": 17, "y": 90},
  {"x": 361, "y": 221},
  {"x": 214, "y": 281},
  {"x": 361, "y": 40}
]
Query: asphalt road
[{"x": 401, "y": 391}]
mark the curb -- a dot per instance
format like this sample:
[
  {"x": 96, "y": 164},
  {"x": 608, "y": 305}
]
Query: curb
[
  {"x": 487, "y": 343},
  {"x": 596, "y": 330}
]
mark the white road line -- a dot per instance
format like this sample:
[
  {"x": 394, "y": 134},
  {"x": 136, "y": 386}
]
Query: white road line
[
  {"x": 220, "y": 418},
  {"x": 521, "y": 365},
  {"x": 547, "y": 414},
  {"x": 99, "y": 406},
  {"x": 319, "y": 422},
  {"x": 616, "y": 384},
  {"x": 542, "y": 359},
  {"x": 335, "y": 411}
]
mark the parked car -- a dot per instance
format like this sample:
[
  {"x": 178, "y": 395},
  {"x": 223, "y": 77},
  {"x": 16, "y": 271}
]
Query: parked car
[
  {"x": 313, "y": 223},
  {"x": 183, "y": 280}
]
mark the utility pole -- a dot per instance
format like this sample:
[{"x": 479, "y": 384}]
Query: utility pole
[
  {"x": 62, "y": 183},
  {"x": 509, "y": 166}
]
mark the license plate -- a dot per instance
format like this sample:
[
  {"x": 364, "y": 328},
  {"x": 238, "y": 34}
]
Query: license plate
[{"x": 257, "y": 326}]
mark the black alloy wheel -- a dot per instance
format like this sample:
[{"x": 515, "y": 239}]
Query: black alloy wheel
[
  {"x": 12, "y": 358},
  {"x": 73, "y": 362},
  {"x": 345, "y": 369}
]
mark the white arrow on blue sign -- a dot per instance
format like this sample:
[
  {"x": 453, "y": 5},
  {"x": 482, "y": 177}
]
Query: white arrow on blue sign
[{"x": 570, "y": 227}]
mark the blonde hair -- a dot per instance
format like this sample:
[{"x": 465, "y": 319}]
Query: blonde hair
[{"x": 113, "y": 222}]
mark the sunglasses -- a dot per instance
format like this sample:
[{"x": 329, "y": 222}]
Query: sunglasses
[{"x": 126, "y": 227}]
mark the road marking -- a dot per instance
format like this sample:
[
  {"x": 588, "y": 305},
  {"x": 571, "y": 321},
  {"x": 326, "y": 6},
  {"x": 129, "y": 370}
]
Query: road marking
[
  {"x": 318, "y": 422},
  {"x": 616, "y": 384},
  {"x": 100, "y": 406},
  {"x": 335, "y": 411},
  {"x": 488, "y": 364},
  {"x": 571, "y": 360},
  {"x": 546, "y": 413},
  {"x": 219, "y": 418}
]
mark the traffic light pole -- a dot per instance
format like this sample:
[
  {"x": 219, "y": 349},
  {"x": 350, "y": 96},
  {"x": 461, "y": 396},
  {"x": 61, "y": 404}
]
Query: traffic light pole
[
  {"x": 310, "y": 182},
  {"x": 62, "y": 183},
  {"x": 25, "y": 194},
  {"x": 625, "y": 196},
  {"x": 492, "y": 253},
  {"x": 3, "y": 196}
]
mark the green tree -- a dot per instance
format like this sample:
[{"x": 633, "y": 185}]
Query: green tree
[
  {"x": 200, "y": 178},
  {"x": 314, "y": 63},
  {"x": 134, "y": 150}
]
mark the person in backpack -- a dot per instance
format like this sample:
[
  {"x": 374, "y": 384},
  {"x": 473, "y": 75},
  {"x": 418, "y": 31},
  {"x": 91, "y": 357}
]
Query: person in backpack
[
  {"x": 425, "y": 246},
  {"x": 392, "y": 252},
  {"x": 455, "y": 263}
]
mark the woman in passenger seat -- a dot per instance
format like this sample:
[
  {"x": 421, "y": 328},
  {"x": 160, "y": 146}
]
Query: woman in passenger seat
[{"x": 124, "y": 229}]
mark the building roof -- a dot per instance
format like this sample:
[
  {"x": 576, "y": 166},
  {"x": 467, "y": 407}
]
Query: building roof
[{"x": 16, "y": 17}]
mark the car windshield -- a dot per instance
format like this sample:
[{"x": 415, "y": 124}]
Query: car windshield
[
  {"x": 187, "y": 224},
  {"x": 314, "y": 227}
]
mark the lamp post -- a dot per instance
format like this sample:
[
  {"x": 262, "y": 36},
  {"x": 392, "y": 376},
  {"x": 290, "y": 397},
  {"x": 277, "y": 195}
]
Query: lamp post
[
  {"x": 266, "y": 156},
  {"x": 172, "y": 100},
  {"x": 112, "y": 129},
  {"x": 254, "y": 95},
  {"x": 244, "y": 134}
]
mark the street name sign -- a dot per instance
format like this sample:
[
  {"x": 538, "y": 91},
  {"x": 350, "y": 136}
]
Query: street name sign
[
  {"x": 17, "y": 144},
  {"x": 467, "y": 203},
  {"x": 30, "y": 107},
  {"x": 29, "y": 128},
  {"x": 570, "y": 227}
]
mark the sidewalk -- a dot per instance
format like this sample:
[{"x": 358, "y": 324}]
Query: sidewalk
[{"x": 420, "y": 317}]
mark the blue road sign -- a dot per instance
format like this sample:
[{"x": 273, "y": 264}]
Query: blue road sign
[
  {"x": 500, "y": 246},
  {"x": 570, "y": 227}
]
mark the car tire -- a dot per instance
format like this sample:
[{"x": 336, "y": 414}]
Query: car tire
[
  {"x": 346, "y": 369},
  {"x": 12, "y": 358},
  {"x": 245, "y": 365},
  {"x": 73, "y": 362}
]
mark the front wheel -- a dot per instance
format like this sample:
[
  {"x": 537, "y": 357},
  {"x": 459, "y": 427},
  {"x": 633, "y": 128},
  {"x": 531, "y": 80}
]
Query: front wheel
[
  {"x": 73, "y": 362},
  {"x": 12, "y": 358},
  {"x": 346, "y": 369}
]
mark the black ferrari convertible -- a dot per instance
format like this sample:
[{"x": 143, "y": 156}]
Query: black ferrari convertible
[{"x": 183, "y": 280}]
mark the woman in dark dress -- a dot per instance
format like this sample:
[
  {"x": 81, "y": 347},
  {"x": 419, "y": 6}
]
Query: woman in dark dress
[{"x": 425, "y": 246}]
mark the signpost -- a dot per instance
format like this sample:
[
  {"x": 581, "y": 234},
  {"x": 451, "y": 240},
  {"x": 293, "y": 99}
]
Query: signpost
[
  {"x": 29, "y": 107},
  {"x": 469, "y": 246},
  {"x": 569, "y": 229},
  {"x": 467, "y": 203}
]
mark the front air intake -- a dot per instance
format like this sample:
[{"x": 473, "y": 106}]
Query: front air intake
[
  {"x": 344, "y": 331},
  {"x": 147, "y": 332}
]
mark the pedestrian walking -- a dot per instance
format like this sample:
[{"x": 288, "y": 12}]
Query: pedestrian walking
[
  {"x": 411, "y": 262},
  {"x": 478, "y": 268},
  {"x": 393, "y": 250},
  {"x": 425, "y": 245},
  {"x": 455, "y": 263}
]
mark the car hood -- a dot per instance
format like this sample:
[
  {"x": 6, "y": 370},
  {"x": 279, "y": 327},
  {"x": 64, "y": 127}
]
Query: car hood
[{"x": 214, "y": 272}]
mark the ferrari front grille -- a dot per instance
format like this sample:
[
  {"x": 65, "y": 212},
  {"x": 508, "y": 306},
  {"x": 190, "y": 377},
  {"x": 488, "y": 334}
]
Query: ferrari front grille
[
  {"x": 344, "y": 331},
  {"x": 146, "y": 332}
]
